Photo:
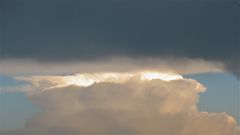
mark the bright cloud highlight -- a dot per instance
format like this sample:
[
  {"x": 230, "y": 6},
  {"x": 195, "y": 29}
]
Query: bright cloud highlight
[{"x": 88, "y": 79}]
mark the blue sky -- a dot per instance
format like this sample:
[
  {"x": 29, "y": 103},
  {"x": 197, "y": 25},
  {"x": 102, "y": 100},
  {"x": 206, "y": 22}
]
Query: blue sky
[
  {"x": 222, "y": 93},
  {"x": 15, "y": 110},
  {"x": 15, "y": 107}
]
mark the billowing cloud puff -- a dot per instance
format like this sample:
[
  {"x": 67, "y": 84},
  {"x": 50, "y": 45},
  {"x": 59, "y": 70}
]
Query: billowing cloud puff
[{"x": 133, "y": 107}]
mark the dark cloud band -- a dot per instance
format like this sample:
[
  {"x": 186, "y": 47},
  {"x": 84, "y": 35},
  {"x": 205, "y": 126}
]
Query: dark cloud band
[{"x": 86, "y": 30}]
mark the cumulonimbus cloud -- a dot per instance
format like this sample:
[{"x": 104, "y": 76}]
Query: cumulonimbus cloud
[{"x": 133, "y": 107}]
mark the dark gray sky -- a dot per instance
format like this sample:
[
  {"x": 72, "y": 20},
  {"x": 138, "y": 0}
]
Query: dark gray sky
[{"x": 58, "y": 30}]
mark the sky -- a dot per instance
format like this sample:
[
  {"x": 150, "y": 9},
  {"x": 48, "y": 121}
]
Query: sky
[{"x": 119, "y": 67}]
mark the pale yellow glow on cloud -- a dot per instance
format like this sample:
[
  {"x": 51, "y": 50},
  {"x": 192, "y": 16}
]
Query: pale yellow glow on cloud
[
  {"x": 88, "y": 79},
  {"x": 162, "y": 76}
]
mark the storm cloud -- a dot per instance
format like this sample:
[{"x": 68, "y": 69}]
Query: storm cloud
[
  {"x": 134, "y": 107},
  {"x": 56, "y": 31}
]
